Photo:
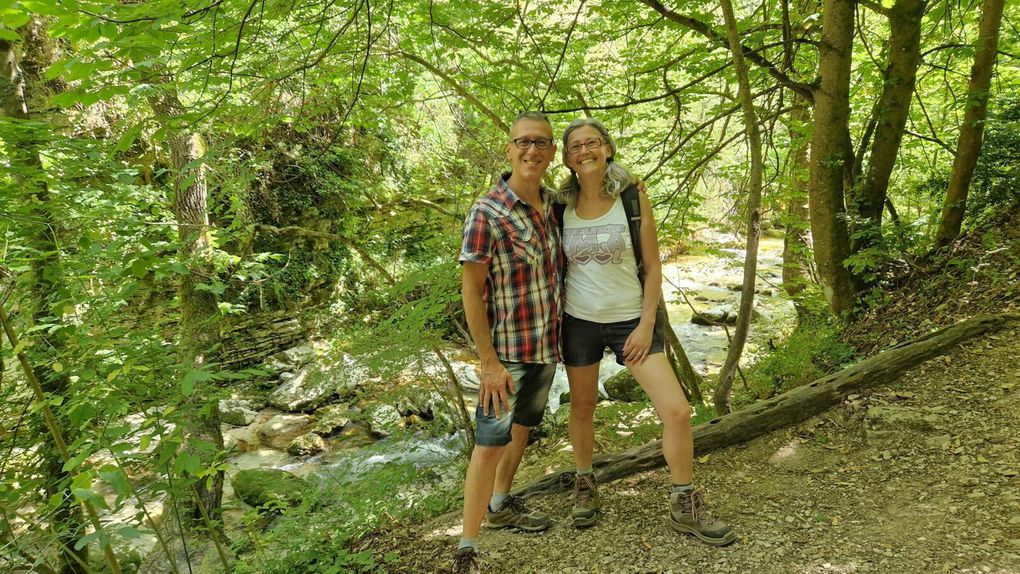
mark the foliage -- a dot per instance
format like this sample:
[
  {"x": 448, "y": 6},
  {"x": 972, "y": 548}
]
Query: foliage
[
  {"x": 370, "y": 128},
  {"x": 812, "y": 351},
  {"x": 306, "y": 539}
]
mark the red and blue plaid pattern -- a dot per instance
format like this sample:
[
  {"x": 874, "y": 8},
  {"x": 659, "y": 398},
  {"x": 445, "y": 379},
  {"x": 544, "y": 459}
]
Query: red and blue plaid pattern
[{"x": 521, "y": 245}]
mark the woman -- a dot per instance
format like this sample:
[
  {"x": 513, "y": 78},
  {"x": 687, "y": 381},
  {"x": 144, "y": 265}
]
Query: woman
[{"x": 606, "y": 306}]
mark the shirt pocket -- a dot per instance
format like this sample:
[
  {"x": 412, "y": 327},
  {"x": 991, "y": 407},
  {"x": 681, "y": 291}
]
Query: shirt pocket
[{"x": 525, "y": 246}]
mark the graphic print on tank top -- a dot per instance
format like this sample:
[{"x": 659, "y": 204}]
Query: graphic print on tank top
[{"x": 601, "y": 244}]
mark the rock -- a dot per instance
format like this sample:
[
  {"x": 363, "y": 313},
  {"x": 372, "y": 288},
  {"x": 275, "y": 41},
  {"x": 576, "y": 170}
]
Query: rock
[
  {"x": 384, "y": 419},
  {"x": 884, "y": 418},
  {"x": 259, "y": 487},
  {"x": 357, "y": 435},
  {"x": 306, "y": 444},
  {"x": 278, "y": 431},
  {"x": 331, "y": 419},
  {"x": 700, "y": 298},
  {"x": 296, "y": 356},
  {"x": 242, "y": 439},
  {"x": 886, "y": 424},
  {"x": 623, "y": 387},
  {"x": 425, "y": 404},
  {"x": 735, "y": 286},
  {"x": 713, "y": 316},
  {"x": 565, "y": 398},
  {"x": 307, "y": 389},
  {"x": 238, "y": 412}
]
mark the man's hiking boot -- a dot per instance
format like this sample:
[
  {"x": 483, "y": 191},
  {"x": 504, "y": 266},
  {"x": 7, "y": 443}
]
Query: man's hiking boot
[
  {"x": 586, "y": 501},
  {"x": 465, "y": 561},
  {"x": 687, "y": 515},
  {"x": 515, "y": 514}
]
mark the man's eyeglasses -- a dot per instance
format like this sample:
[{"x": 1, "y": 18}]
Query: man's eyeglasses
[
  {"x": 525, "y": 143},
  {"x": 590, "y": 144}
]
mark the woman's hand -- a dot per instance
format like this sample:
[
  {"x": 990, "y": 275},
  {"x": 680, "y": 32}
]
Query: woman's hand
[{"x": 639, "y": 342}]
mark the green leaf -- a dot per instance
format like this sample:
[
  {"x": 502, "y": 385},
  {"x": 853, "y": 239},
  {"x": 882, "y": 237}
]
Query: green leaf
[
  {"x": 192, "y": 379},
  {"x": 75, "y": 461},
  {"x": 11, "y": 35},
  {"x": 15, "y": 19},
  {"x": 187, "y": 462}
]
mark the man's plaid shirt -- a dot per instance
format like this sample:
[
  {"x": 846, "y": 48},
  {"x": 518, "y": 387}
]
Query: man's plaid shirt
[{"x": 522, "y": 294}]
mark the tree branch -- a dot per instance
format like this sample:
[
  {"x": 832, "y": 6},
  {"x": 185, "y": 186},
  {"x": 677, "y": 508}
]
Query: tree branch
[{"x": 720, "y": 40}]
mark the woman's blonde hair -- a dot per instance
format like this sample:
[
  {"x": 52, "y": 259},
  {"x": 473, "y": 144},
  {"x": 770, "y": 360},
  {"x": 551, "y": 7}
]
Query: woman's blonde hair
[{"x": 617, "y": 177}]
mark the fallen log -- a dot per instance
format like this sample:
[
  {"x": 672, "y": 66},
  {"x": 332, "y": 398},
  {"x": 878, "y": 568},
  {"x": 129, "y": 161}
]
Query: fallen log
[{"x": 788, "y": 408}]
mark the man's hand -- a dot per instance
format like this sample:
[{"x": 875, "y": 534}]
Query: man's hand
[
  {"x": 638, "y": 343},
  {"x": 497, "y": 386}
]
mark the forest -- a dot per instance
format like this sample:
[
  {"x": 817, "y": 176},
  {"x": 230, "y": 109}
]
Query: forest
[{"x": 233, "y": 336}]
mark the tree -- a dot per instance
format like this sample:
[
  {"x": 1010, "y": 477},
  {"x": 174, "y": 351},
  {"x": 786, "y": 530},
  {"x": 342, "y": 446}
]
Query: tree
[
  {"x": 49, "y": 297},
  {"x": 968, "y": 146},
  {"x": 832, "y": 155},
  {"x": 722, "y": 392},
  {"x": 868, "y": 195}
]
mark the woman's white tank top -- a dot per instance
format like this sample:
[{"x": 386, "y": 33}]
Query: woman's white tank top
[{"x": 602, "y": 283}]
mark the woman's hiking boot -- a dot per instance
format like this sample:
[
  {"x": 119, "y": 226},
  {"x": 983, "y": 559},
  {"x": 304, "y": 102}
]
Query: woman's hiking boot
[
  {"x": 687, "y": 515},
  {"x": 465, "y": 561},
  {"x": 586, "y": 501},
  {"x": 515, "y": 514}
]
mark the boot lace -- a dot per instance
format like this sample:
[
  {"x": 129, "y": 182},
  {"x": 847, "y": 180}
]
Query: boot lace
[
  {"x": 584, "y": 490},
  {"x": 465, "y": 562},
  {"x": 516, "y": 504},
  {"x": 692, "y": 503}
]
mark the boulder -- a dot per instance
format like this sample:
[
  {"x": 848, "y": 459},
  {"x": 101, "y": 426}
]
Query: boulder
[
  {"x": 623, "y": 387},
  {"x": 713, "y": 316},
  {"x": 306, "y": 444},
  {"x": 331, "y": 419},
  {"x": 356, "y": 435},
  {"x": 384, "y": 419},
  {"x": 278, "y": 431},
  {"x": 425, "y": 404},
  {"x": 238, "y": 412},
  {"x": 259, "y": 487},
  {"x": 305, "y": 390},
  {"x": 241, "y": 439},
  {"x": 565, "y": 397},
  {"x": 296, "y": 356}
]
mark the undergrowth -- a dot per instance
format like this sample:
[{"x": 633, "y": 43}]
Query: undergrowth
[
  {"x": 317, "y": 536},
  {"x": 813, "y": 350}
]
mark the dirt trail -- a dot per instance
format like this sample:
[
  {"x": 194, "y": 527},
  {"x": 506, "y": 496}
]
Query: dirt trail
[{"x": 917, "y": 477}]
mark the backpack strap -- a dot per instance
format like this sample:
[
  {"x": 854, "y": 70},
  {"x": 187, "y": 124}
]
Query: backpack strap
[
  {"x": 632, "y": 207},
  {"x": 558, "y": 210}
]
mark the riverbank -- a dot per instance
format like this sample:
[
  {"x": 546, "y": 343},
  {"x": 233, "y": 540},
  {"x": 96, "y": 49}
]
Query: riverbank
[{"x": 917, "y": 477}]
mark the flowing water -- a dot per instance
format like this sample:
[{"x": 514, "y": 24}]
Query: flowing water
[{"x": 704, "y": 282}]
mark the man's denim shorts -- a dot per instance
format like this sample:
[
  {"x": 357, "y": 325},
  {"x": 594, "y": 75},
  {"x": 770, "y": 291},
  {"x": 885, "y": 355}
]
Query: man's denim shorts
[
  {"x": 585, "y": 342},
  {"x": 527, "y": 403}
]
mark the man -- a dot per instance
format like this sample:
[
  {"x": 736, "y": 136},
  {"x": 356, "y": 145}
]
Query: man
[{"x": 511, "y": 261}]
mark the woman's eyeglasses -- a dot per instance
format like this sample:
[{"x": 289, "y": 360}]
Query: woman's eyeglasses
[{"x": 590, "y": 144}]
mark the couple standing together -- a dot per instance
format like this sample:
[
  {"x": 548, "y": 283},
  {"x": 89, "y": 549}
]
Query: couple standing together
[{"x": 513, "y": 259}]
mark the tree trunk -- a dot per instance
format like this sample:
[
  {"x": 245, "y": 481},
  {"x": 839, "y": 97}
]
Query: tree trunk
[
  {"x": 891, "y": 113},
  {"x": 722, "y": 392},
  {"x": 832, "y": 156},
  {"x": 788, "y": 408},
  {"x": 796, "y": 276},
  {"x": 796, "y": 263},
  {"x": 49, "y": 298},
  {"x": 198, "y": 334},
  {"x": 968, "y": 147},
  {"x": 690, "y": 380}
]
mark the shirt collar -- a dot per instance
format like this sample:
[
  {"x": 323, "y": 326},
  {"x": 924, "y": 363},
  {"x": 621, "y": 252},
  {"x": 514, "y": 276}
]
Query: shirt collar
[{"x": 508, "y": 197}]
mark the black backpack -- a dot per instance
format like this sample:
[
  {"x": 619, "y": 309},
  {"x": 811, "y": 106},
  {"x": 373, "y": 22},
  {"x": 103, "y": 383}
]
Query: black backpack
[{"x": 632, "y": 207}]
